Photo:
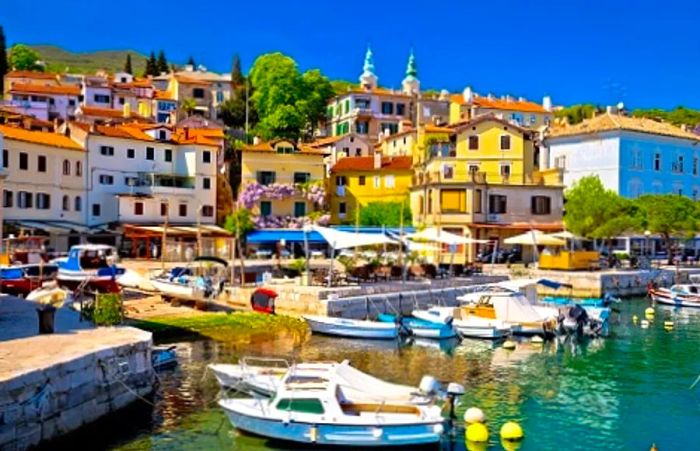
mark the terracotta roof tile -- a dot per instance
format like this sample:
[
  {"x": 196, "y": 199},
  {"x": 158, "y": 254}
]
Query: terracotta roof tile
[
  {"x": 191, "y": 80},
  {"x": 41, "y": 89},
  {"x": 37, "y": 137},
  {"x": 122, "y": 131},
  {"x": 31, "y": 74},
  {"x": 106, "y": 112},
  {"x": 501, "y": 104},
  {"x": 402, "y": 163},
  {"x": 610, "y": 122},
  {"x": 162, "y": 95},
  {"x": 268, "y": 146}
]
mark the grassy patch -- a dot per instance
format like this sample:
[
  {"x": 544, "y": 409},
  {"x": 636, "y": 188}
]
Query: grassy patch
[{"x": 222, "y": 326}]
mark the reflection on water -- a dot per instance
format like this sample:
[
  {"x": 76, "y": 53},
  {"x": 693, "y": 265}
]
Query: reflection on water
[{"x": 620, "y": 393}]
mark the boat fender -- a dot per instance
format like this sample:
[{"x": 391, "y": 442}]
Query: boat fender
[
  {"x": 313, "y": 434},
  {"x": 474, "y": 415},
  {"x": 511, "y": 431},
  {"x": 649, "y": 311},
  {"x": 456, "y": 389},
  {"x": 429, "y": 385},
  {"x": 644, "y": 324}
]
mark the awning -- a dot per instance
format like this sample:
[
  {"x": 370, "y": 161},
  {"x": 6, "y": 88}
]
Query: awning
[
  {"x": 272, "y": 236},
  {"x": 56, "y": 227},
  {"x": 552, "y": 226},
  {"x": 535, "y": 238},
  {"x": 338, "y": 239},
  {"x": 435, "y": 235},
  {"x": 207, "y": 230}
]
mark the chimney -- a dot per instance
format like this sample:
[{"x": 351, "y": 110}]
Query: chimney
[
  {"x": 468, "y": 95},
  {"x": 547, "y": 103},
  {"x": 510, "y": 99},
  {"x": 609, "y": 109},
  {"x": 256, "y": 140},
  {"x": 377, "y": 160},
  {"x": 521, "y": 99}
]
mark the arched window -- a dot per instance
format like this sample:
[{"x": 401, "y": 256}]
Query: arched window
[
  {"x": 78, "y": 168},
  {"x": 66, "y": 167},
  {"x": 66, "y": 203},
  {"x": 78, "y": 203}
]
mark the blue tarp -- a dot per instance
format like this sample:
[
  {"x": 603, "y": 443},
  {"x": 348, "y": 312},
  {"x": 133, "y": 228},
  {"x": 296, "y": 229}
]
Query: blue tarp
[
  {"x": 553, "y": 284},
  {"x": 275, "y": 235}
]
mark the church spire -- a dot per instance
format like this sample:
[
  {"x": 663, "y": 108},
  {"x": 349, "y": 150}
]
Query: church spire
[
  {"x": 411, "y": 84},
  {"x": 368, "y": 79},
  {"x": 368, "y": 67},
  {"x": 411, "y": 67}
]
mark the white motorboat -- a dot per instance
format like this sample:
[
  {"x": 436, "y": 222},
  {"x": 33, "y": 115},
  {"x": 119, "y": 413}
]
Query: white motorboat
[
  {"x": 202, "y": 280},
  {"x": 90, "y": 266},
  {"x": 324, "y": 412},
  {"x": 351, "y": 328},
  {"x": 476, "y": 327},
  {"x": 681, "y": 295}
]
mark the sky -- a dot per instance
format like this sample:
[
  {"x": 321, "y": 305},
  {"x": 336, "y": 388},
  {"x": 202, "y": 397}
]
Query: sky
[{"x": 643, "y": 53}]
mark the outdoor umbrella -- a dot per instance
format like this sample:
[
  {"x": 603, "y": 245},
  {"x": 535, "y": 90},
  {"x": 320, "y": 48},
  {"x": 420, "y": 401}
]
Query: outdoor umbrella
[
  {"x": 436, "y": 235},
  {"x": 535, "y": 238}
]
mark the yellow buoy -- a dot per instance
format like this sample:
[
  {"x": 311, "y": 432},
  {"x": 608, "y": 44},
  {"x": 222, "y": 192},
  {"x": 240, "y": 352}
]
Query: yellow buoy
[
  {"x": 508, "y": 344},
  {"x": 635, "y": 318},
  {"x": 477, "y": 433},
  {"x": 653, "y": 447},
  {"x": 474, "y": 415},
  {"x": 509, "y": 445},
  {"x": 668, "y": 324},
  {"x": 537, "y": 339},
  {"x": 649, "y": 311},
  {"x": 511, "y": 431},
  {"x": 477, "y": 446}
]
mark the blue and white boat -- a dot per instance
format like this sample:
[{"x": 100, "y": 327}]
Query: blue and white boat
[
  {"x": 320, "y": 412},
  {"x": 351, "y": 328},
  {"x": 422, "y": 327},
  {"x": 92, "y": 267},
  {"x": 202, "y": 280}
]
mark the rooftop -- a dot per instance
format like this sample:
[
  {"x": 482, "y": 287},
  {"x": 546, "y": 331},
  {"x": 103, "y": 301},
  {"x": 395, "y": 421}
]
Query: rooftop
[
  {"x": 504, "y": 103},
  {"x": 111, "y": 113},
  {"x": 31, "y": 74},
  {"x": 401, "y": 163},
  {"x": 41, "y": 89},
  {"x": 38, "y": 137},
  {"x": 611, "y": 122},
  {"x": 268, "y": 146}
]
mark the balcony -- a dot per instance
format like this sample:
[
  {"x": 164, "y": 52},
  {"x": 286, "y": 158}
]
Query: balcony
[
  {"x": 438, "y": 177},
  {"x": 146, "y": 182}
]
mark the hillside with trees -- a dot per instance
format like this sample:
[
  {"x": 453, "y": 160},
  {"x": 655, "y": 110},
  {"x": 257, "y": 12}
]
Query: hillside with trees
[{"x": 61, "y": 60}]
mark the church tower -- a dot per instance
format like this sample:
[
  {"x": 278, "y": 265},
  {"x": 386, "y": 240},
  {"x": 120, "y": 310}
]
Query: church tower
[
  {"x": 368, "y": 80},
  {"x": 411, "y": 84}
]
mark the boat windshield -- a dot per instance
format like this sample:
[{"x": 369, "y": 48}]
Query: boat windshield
[
  {"x": 95, "y": 259},
  {"x": 302, "y": 405}
]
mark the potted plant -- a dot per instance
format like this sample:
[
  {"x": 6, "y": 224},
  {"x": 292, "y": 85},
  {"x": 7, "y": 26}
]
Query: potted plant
[{"x": 48, "y": 298}]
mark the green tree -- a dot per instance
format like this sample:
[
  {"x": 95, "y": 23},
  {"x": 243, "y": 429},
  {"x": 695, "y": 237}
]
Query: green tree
[
  {"x": 3, "y": 59},
  {"x": 161, "y": 63},
  {"x": 316, "y": 90},
  {"x": 24, "y": 58},
  {"x": 668, "y": 215},
  {"x": 237, "y": 78},
  {"x": 678, "y": 116},
  {"x": 151, "y": 65},
  {"x": 240, "y": 222},
  {"x": 385, "y": 214},
  {"x": 577, "y": 113},
  {"x": 342, "y": 86},
  {"x": 188, "y": 106},
  {"x": 190, "y": 61},
  {"x": 232, "y": 111},
  {"x": 127, "y": 65}
]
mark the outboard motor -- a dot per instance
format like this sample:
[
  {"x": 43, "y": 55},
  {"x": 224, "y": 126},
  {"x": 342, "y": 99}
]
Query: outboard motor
[{"x": 575, "y": 320}]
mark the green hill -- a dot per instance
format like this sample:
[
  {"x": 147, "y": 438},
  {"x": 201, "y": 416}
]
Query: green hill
[{"x": 60, "y": 60}]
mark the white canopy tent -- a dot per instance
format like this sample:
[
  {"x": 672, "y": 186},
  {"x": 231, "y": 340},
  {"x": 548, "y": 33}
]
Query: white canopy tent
[
  {"x": 565, "y": 235},
  {"x": 436, "y": 235},
  {"x": 535, "y": 238}
]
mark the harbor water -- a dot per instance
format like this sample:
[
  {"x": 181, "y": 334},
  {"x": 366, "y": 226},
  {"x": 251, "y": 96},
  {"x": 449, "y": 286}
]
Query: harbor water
[{"x": 624, "y": 392}]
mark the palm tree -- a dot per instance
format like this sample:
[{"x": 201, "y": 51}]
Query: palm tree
[{"x": 188, "y": 106}]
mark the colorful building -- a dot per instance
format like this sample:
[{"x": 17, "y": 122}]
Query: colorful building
[
  {"x": 469, "y": 105},
  {"x": 282, "y": 182},
  {"x": 358, "y": 181},
  {"x": 632, "y": 156},
  {"x": 482, "y": 180}
]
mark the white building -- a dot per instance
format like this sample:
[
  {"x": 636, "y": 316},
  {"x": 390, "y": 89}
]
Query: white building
[
  {"x": 97, "y": 92},
  {"x": 45, "y": 183},
  {"x": 3, "y": 174},
  {"x": 45, "y": 102}
]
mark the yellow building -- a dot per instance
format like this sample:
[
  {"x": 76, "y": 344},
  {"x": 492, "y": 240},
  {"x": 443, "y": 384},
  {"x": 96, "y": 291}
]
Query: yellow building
[
  {"x": 358, "y": 181},
  {"x": 469, "y": 105},
  {"x": 481, "y": 180},
  {"x": 276, "y": 177}
]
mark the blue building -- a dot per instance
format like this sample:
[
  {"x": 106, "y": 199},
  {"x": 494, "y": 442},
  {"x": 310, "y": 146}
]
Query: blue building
[{"x": 632, "y": 156}]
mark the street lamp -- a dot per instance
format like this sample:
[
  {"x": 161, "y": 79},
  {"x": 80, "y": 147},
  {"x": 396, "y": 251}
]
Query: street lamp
[{"x": 307, "y": 229}]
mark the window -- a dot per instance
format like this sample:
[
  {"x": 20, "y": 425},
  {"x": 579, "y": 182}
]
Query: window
[
  {"x": 130, "y": 153},
  {"x": 347, "y": 106},
  {"x": 505, "y": 170},
  {"x": 453, "y": 201},
  {"x": 340, "y": 180},
  {"x": 637, "y": 159},
  {"x": 7, "y": 199},
  {"x": 106, "y": 179},
  {"x": 78, "y": 169},
  {"x": 100, "y": 98},
  {"x": 477, "y": 200},
  {"x": 265, "y": 208},
  {"x": 206, "y": 156},
  {"x": 78, "y": 204},
  {"x": 107, "y": 151},
  {"x": 389, "y": 181},
  {"x": 206, "y": 183},
  {"x": 66, "y": 203},
  {"x": 5, "y": 158},
  {"x": 533, "y": 119},
  {"x": 266, "y": 177},
  {"x": 96, "y": 209},
  {"x": 163, "y": 208},
  {"x": 150, "y": 153},
  {"x": 207, "y": 211},
  {"x": 377, "y": 182},
  {"x": 303, "y": 405},
  {"x": 358, "y": 152},
  {"x": 695, "y": 165},
  {"x": 400, "y": 109},
  {"x": 301, "y": 177},
  {"x": 677, "y": 165},
  {"x": 25, "y": 199},
  {"x": 71, "y": 102},
  {"x": 285, "y": 149},
  {"x": 182, "y": 210},
  {"x": 541, "y": 205},
  {"x": 131, "y": 181},
  {"x": 389, "y": 127},
  {"x": 219, "y": 96},
  {"x": 448, "y": 171},
  {"x": 473, "y": 168},
  {"x": 23, "y": 161},
  {"x": 299, "y": 209},
  {"x": 342, "y": 208},
  {"x": 138, "y": 208},
  {"x": 198, "y": 93},
  {"x": 497, "y": 203},
  {"x": 505, "y": 142},
  {"x": 121, "y": 100},
  {"x": 387, "y": 108},
  {"x": 362, "y": 127},
  {"x": 362, "y": 180},
  {"x": 474, "y": 142},
  {"x": 66, "y": 167},
  {"x": 560, "y": 162},
  {"x": 168, "y": 155},
  {"x": 41, "y": 163},
  {"x": 43, "y": 201},
  {"x": 657, "y": 161}
]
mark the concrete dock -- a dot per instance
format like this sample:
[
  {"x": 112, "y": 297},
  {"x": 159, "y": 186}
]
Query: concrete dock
[{"x": 53, "y": 384}]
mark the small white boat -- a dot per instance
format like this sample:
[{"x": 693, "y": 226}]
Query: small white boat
[
  {"x": 476, "y": 327},
  {"x": 90, "y": 266},
  {"x": 202, "y": 280},
  {"x": 351, "y": 328},
  {"x": 324, "y": 413},
  {"x": 681, "y": 295}
]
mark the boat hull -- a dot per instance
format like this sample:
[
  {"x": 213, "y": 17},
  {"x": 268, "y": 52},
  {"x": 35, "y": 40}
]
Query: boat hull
[
  {"x": 175, "y": 290},
  {"x": 354, "y": 435},
  {"x": 675, "y": 300},
  {"x": 101, "y": 284},
  {"x": 349, "y": 328},
  {"x": 490, "y": 332}
]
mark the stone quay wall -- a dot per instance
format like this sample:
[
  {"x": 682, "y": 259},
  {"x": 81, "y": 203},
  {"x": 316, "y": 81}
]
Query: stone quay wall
[{"x": 69, "y": 384}]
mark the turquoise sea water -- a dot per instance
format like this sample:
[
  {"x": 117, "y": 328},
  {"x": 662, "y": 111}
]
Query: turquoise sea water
[{"x": 621, "y": 393}]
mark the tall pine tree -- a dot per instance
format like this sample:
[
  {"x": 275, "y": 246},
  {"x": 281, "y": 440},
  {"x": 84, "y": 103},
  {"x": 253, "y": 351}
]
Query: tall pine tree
[
  {"x": 162, "y": 63},
  {"x": 151, "y": 65},
  {"x": 237, "y": 78},
  {"x": 191, "y": 63},
  {"x": 3, "y": 59},
  {"x": 127, "y": 65}
]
